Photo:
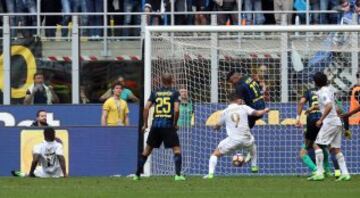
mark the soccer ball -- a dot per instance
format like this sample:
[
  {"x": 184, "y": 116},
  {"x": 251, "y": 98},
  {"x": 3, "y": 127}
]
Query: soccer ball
[{"x": 238, "y": 160}]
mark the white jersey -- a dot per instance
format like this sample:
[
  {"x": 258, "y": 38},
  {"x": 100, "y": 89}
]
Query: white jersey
[
  {"x": 235, "y": 117},
  {"x": 48, "y": 152},
  {"x": 326, "y": 96}
]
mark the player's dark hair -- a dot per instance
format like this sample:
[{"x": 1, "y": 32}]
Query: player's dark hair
[
  {"x": 38, "y": 112},
  {"x": 320, "y": 79},
  {"x": 49, "y": 134},
  {"x": 234, "y": 96},
  {"x": 231, "y": 73},
  {"x": 38, "y": 74}
]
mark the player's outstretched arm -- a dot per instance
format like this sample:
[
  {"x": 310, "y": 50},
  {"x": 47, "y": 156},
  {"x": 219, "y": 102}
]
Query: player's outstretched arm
[
  {"x": 259, "y": 113},
  {"x": 62, "y": 164},
  {"x": 346, "y": 115},
  {"x": 34, "y": 163}
]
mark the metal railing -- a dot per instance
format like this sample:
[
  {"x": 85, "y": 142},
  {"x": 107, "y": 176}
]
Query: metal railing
[
  {"x": 172, "y": 13},
  {"x": 107, "y": 27}
]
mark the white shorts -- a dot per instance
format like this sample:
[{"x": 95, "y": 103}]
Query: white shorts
[
  {"x": 228, "y": 145},
  {"x": 329, "y": 135},
  {"x": 40, "y": 172}
]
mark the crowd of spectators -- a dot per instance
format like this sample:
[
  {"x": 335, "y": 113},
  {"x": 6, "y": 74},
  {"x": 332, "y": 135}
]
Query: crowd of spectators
[{"x": 158, "y": 7}]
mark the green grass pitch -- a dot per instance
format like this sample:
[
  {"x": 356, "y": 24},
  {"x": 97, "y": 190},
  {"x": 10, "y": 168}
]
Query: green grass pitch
[{"x": 240, "y": 186}]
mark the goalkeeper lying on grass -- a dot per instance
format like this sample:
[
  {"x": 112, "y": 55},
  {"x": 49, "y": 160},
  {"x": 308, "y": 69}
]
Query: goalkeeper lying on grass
[{"x": 49, "y": 154}]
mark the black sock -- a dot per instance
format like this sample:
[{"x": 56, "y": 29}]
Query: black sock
[
  {"x": 335, "y": 162},
  {"x": 141, "y": 161},
  {"x": 177, "y": 160}
]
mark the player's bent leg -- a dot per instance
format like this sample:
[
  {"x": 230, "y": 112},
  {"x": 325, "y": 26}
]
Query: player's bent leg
[
  {"x": 324, "y": 138},
  {"x": 253, "y": 152},
  {"x": 307, "y": 160},
  {"x": 345, "y": 176},
  {"x": 319, "y": 176},
  {"x": 212, "y": 163},
  {"x": 218, "y": 152},
  {"x": 147, "y": 151},
  {"x": 327, "y": 169},
  {"x": 178, "y": 163},
  {"x": 142, "y": 160},
  {"x": 39, "y": 172},
  {"x": 335, "y": 149},
  {"x": 171, "y": 140},
  {"x": 337, "y": 171}
]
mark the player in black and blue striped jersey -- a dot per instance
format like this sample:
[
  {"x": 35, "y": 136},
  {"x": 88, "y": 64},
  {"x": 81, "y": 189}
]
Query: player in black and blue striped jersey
[
  {"x": 164, "y": 124},
  {"x": 250, "y": 91},
  {"x": 310, "y": 133}
]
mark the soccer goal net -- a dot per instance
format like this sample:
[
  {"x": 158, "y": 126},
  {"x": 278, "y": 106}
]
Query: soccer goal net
[{"x": 283, "y": 59}]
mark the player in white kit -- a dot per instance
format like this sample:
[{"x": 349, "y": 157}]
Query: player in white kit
[
  {"x": 49, "y": 155},
  {"x": 330, "y": 131},
  {"x": 235, "y": 118}
]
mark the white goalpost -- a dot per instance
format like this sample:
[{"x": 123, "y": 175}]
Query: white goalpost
[{"x": 282, "y": 58}]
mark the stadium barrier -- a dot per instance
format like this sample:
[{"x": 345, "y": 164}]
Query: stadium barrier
[
  {"x": 105, "y": 151},
  {"x": 60, "y": 115}
]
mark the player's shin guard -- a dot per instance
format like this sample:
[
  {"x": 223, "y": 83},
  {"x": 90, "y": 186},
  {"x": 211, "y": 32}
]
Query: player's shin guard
[
  {"x": 319, "y": 160},
  {"x": 341, "y": 160},
  {"x": 178, "y": 161},
  {"x": 141, "y": 161},
  {"x": 212, "y": 164}
]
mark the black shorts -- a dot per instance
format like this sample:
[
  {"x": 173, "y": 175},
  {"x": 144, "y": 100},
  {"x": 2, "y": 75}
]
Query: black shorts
[
  {"x": 311, "y": 130},
  {"x": 167, "y": 135},
  {"x": 258, "y": 105}
]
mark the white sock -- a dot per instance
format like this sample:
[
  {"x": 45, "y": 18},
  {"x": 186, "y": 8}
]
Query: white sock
[
  {"x": 212, "y": 164},
  {"x": 319, "y": 155},
  {"x": 341, "y": 160},
  {"x": 253, "y": 154}
]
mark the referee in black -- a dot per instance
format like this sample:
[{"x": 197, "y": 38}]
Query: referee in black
[{"x": 164, "y": 124}]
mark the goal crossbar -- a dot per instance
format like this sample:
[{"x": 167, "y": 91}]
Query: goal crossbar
[{"x": 260, "y": 28}]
